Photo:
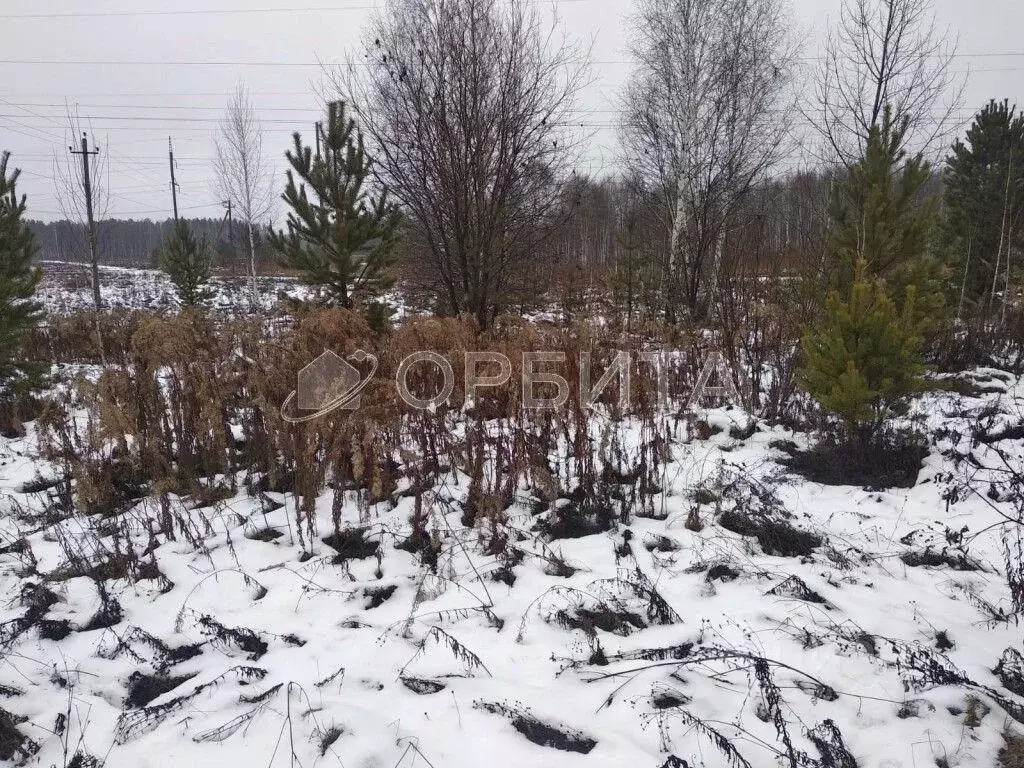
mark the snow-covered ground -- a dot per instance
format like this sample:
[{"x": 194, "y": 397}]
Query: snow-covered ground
[
  {"x": 639, "y": 647},
  {"x": 66, "y": 288}
]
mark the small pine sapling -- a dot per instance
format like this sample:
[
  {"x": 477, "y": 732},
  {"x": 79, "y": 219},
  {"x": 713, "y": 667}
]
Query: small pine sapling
[
  {"x": 863, "y": 361},
  {"x": 340, "y": 236},
  {"x": 188, "y": 262}
]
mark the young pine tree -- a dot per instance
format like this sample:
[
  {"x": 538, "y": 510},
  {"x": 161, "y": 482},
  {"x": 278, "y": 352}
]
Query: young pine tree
[
  {"x": 634, "y": 275},
  {"x": 19, "y": 312},
  {"x": 880, "y": 219},
  {"x": 188, "y": 261},
  {"x": 340, "y": 236},
  {"x": 863, "y": 361}
]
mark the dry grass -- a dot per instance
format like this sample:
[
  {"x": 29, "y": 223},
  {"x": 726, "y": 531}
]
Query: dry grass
[{"x": 1011, "y": 755}]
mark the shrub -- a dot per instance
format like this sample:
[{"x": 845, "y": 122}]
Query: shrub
[{"x": 863, "y": 362}]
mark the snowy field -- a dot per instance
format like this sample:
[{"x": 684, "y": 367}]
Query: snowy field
[
  {"x": 870, "y": 636},
  {"x": 66, "y": 288}
]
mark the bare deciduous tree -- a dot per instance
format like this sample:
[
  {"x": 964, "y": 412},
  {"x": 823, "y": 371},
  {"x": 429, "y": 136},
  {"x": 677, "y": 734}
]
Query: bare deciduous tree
[
  {"x": 465, "y": 106},
  {"x": 706, "y": 115},
  {"x": 886, "y": 53},
  {"x": 242, "y": 173}
]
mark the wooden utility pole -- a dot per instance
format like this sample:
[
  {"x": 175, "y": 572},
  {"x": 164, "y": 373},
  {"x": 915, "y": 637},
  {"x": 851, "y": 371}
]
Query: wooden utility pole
[
  {"x": 174, "y": 184},
  {"x": 231, "y": 222},
  {"x": 91, "y": 233},
  {"x": 318, "y": 129}
]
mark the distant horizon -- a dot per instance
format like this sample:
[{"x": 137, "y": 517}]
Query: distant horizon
[{"x": 168, "y": 72}]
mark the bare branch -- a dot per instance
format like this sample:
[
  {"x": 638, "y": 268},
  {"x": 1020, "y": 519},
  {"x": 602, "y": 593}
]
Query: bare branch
[
  {"x": 886, "y": 53},
  {"x": 466, "y": 107}
]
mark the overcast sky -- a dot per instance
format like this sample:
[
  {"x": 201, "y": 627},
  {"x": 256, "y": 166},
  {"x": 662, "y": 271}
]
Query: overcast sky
[{"x": 141, "y": 70}]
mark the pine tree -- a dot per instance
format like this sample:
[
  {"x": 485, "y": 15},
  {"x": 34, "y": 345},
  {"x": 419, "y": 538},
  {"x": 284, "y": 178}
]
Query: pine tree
[
  {"x": 342, "y": 239},
  {"x": 19, "y": 312},
  {"x": 863, "y": 362},
  {"x": 188, "y": 261},
  {"x": 984, "y": 185},
  {"x": 634, "y": 277},
  {"x": 881, "y": 220}
]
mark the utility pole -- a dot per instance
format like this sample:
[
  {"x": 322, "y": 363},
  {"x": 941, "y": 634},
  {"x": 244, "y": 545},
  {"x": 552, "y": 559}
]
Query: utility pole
[
  {"x": 91, "y": 234},
  {"x": 318, "y": 130},
  {"x": 231, "y": 222},
  {"x": 174, "y": 184}
]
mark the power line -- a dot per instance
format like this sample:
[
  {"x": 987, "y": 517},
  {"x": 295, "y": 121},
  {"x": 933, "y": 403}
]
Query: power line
[
  {"x": 183, "y": 12},
  {"x": 210, "y": 11},
  {"x": 306, "y": 110}
]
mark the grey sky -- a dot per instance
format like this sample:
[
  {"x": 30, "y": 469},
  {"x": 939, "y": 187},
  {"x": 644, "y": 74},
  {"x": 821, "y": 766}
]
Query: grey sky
[{"x": 133, "y": 107}]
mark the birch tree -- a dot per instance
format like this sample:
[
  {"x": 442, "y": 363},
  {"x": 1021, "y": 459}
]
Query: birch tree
[
  {"x": 706, "y": 115},
  {"x": 886, "y": 53},
  {"x": 243, "y": 175}
]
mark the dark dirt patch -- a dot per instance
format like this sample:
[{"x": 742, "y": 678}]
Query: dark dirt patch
[
  {"x": 794, "y": 587},
  {"x": 891, "y": 461},
  {"x": 14, "y": 745},
  {"x": 776, "y": 537},
  {"x": 1010, "y": 671},
  {"x": 1015, "y": 432},
  {"x": 242, "y": 638},
  {"x": 39, "y": 484},
  {"x": 539, "y": 732},
  {"x": 667, "y": 699},
  {"x": 264, "y": 534},
  {"x": 913, "y": 708},
  {"x": 932, "y": 558},
  {"x": 283, "y": 482},
  {"x": 377, "y": 596},
  {"x": 721, "y": 572},
  {"x": 143, "y": 688},
  {"x": 576, "y": 518},
  {"x": 1011, "y": 754},
  {"x": 109, "y": 614},
  {"x": 352, "y": 544},
  {"x": 737, "y": 432},
  {"x": 54, "y": 629},
  {"x": 603, "y": 617},
  {"x": 422, "y": 686},
  {"x": 658, "y": 543}
]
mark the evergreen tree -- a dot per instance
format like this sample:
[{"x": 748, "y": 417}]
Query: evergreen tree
[
  {"x": 863, "y": 362},
  {"x": 880, "y": 219},
  {"x": 341, "y": 239},
  {"x": 634, "y": 278},
  {"x": 19, "y": 312},
  {"x": 188, "y": 261},
  {"x": 984, "y": 181}
]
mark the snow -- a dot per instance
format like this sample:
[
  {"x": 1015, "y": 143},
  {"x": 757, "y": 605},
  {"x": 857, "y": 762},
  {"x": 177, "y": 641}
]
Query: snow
[
  {"x": 344, "y": 652},
  {"x": 65, "y": 288}
]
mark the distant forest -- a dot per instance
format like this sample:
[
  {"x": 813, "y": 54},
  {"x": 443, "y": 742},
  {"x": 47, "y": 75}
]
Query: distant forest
[{"x": 130, "y": 243}]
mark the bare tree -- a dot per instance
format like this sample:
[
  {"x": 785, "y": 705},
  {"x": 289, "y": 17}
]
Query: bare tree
[
  {"x": 242, "y": 173},
  {"x": 706, "y": 115},
  {"x": 886, "y": 53},
  {"x": 70, "y": 183},
  {"x": 465, "y": 106}
]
